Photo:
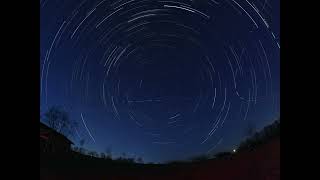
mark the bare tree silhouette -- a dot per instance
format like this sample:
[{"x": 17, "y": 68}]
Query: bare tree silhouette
[
  {"x": 58, "y": 119},
  {"x": 103, "y": 155},
  {"x": 108, "y": 152},
  {"x": 82, "y": 141},
  {"x": 139, "y": 160},
  {"x": 250, "y": 129}
]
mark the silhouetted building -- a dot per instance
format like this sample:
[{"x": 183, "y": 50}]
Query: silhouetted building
[{"x": 52, "y": 141}]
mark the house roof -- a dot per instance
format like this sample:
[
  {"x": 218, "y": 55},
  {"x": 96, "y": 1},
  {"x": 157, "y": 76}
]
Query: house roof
[{"x": 46, "y": 130}]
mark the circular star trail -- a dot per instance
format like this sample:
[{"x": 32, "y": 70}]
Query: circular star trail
[{"x": 155, "y": 77}]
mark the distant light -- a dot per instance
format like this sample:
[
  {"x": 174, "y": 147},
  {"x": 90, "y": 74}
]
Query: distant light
[{"x": 234, "y": 150}]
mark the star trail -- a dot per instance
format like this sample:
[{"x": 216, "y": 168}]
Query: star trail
[{"x": 163, "y": 80}]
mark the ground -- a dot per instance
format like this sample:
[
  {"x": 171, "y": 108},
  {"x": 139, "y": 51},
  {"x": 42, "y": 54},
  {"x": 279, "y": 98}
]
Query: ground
[{"x": 262, "y": 163}]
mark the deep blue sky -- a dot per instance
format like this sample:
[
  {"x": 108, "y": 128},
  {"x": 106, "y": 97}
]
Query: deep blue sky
[{"x": 162, "y": 80}]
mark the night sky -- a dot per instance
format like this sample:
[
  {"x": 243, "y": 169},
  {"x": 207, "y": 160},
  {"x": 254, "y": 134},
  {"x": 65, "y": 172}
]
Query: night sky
[{"x": 161, "y": 80}]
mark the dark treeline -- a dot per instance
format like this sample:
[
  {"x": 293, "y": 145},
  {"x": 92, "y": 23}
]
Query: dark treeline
[
  {"x": 55, "y": 133},
  {"x": 59, "y": 121},
  {"x": 252, "y": 142},
  {"x": 265, "y": 135}
]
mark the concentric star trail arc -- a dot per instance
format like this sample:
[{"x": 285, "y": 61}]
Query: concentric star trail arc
[{"x": 168, "y": 74}]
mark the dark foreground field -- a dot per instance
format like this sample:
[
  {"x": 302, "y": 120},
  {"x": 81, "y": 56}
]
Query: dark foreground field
[{"x": 260, "y": 164}]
